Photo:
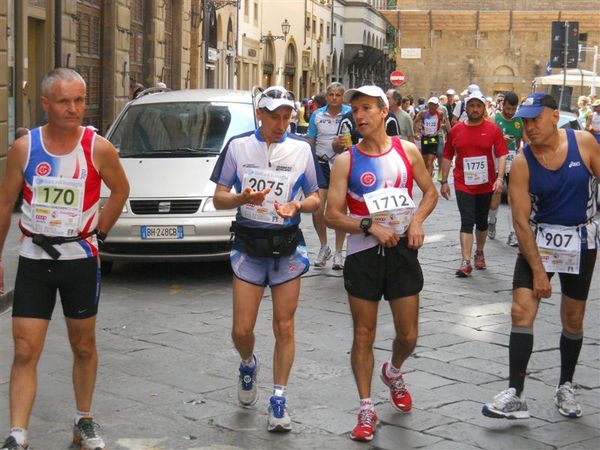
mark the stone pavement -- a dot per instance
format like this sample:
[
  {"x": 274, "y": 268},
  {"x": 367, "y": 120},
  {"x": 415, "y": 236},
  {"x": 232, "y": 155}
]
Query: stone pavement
[{"x": 168, "y": 369}]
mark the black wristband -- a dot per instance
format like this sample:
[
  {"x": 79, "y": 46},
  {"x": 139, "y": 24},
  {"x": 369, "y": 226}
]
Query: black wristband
[
  {"x": 101, "y": 236},
  {"x": 442, "y": 182}
]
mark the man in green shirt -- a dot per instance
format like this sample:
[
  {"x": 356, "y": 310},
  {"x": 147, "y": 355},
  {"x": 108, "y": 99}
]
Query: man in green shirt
[{"x": 512, "y": 129}]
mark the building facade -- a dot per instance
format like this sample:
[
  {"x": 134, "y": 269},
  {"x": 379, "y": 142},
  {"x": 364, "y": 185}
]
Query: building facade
[{"x": 500, "y": 45}]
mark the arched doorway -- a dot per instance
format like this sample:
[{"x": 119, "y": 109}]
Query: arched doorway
[
  {"x": 289, "y": 70},
  {"x": 230, "y": 54},
  {"x": 268, "y": 59},
  {"x": 334, "y": 66},
  {"x": 211, "y": 49},
  {"x": 504, "y": 77}
]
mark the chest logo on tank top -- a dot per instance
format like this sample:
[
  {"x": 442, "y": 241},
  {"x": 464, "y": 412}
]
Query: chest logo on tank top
[
  {"x": 43, "y": 169},
  {"x": 368, "y": 179}
]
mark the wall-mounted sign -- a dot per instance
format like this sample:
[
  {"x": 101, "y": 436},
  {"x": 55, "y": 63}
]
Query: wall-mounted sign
[{"x": 410, "y": 53}]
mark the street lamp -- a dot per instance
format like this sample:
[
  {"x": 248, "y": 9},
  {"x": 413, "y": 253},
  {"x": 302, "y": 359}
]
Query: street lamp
[{"x": 285, "y": 29}]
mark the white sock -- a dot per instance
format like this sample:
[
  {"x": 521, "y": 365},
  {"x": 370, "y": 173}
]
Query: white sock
[
  {"x": 20, "y": 435},
  {"x": 250, "y": 362},
  {"x": 391, "y": 371},
  {"x": 510, "y": 222},
  {"x": 80, "y": 415},
  {"x": 366, "y": 403},
  {"x": 279, "y": 391},
  {"x": 492, "y": 215}
]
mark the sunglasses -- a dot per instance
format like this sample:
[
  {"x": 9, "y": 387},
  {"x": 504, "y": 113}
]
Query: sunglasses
[{"x": 277, "y": 94}]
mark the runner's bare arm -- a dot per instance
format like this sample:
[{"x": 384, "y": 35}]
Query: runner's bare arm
[
  {"x": 520, "y": 201},
  {"x": 590, "y": 151},
  {"x": 9, "y": 191},
  {"x": 106, "y": 160},
  {"x": 225, "y": 199},
  {"x": 415, "y": 232}
]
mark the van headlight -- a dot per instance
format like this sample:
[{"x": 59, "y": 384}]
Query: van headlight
[{"x": 209, "y": 205}]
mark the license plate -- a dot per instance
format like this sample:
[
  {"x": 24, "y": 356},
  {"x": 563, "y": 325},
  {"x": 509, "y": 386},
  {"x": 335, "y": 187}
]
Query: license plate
[{"x": 161, "y": 232}]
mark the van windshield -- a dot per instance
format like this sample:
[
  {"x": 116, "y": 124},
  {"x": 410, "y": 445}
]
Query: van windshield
[{"x": 180, "y": 129}]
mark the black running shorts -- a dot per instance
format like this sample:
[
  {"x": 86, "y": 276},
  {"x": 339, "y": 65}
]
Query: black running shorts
[
  {"x": 38, "y": 281},
  {"x": 576, "y": 287},
  {"x": 381, "y": 271}
]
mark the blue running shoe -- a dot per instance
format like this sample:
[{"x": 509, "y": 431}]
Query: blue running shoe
[
  {"x": 279, "y": 419},
  {"x": 247, "y": 387}
]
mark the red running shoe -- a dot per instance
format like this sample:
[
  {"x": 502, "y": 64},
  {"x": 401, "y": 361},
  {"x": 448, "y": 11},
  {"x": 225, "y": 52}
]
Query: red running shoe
[
  {"x": 365, "y": 428},
  {"x": 400, "y": 397},
  {"x": 465, "y": 269},
  {"x": 479, "y": 260}
]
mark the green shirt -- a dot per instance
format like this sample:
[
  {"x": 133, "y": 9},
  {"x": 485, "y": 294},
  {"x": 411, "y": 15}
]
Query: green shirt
[{"x": 512, "y": 127}]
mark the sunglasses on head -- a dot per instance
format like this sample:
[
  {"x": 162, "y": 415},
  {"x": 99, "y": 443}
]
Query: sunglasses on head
[{"x": 276, "y": 94}]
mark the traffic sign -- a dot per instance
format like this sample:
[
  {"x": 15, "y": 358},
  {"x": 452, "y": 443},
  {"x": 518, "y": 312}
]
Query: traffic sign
[{"x": 397, "y": 78}]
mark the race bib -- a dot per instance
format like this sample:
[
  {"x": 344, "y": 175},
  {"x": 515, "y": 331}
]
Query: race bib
[
  {"x": 391, "y": 207},
  {"x": 559, "y": 248},
  {"x": 475, "y": 170},
  {"x": 509, "y": 160},
  {"x": 259, "y": 179},
  {"x": 56, "y": 205}
]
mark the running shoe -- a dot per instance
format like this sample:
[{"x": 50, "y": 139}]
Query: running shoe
[
  {"x": 479, "y": 260},
  {"x": 564, "y": 398},
  {"x": 338, "y": 261},
  {"x": 465, "y": 269},
  {"x": 508, "y": 405},
  {"x": 247, "y": 385},
  {"x": 492, "y": 229},
  {"x": 512, "y": 239},
  {"x": 279, "y": 419},
  {"x": 85, "y": 434},
  {"x": 11, "y": 444},
  {"x": 365, "y": 428},
  {"x": 323, "y": 257},
  {"x": 399, "y": 395}
]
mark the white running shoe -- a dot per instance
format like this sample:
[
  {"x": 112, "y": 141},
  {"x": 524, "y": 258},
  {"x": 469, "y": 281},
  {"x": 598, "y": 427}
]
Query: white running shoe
[
  {"x": 508, "y": 405},
  {"x": 85, "y": 433},
  {"x": 322, "y": 257},
  {"x": 564, "y": 398},
  {"x": 279, "y": 419},
  {"x": 338, "y": 261}
]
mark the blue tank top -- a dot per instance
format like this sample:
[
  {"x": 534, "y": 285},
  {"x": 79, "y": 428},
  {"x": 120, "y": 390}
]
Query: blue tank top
[{"x": 566, "y": 196}]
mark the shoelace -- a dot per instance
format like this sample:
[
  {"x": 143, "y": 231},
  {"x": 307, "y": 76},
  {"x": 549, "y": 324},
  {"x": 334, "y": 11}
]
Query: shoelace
[
  {"x": 366, "y": 417},
  {"x": 88, "y": 428},
  {"x": 398, "y": 384},
  {"x": 278, "y": 407},
  {"x": 504, "y": 397},
  {"x": 246, "y": 377},
  {"x": 567, "y": 395}
]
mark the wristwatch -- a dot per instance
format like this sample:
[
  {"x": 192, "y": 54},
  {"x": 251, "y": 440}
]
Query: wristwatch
[
  {"x": 442, "y": 182},
  {"x": 365, "y": 224},
  {"x": 101, "y": 237}
]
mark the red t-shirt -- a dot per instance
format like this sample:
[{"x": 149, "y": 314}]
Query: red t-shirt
[{"x": 474, "y": 142}]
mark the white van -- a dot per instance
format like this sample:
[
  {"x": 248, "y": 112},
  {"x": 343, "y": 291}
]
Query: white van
[{"x": 169, "y": 143}]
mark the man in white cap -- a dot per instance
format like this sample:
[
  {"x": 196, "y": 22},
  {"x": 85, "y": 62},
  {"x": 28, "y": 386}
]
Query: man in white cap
[
  {"x": 374, "y": 181},
  {"x": 430, "y": 124},
  {"x": 275, "y": 179},
  {"x": 474, "y": 143},
  {"x": 460, "y": 108}
]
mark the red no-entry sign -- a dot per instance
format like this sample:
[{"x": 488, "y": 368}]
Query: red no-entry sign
[{"x": 397, "y": 78}]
